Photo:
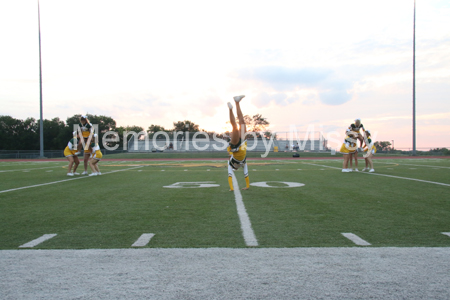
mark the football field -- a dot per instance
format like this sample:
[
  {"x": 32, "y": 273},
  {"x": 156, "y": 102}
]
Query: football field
[
  {"x": 171, "y": 229},
  {"x": 187, "y": 204}
]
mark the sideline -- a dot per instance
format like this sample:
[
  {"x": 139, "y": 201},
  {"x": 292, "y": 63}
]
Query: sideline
[
  {"x": 385, "y": 175},
  {"x": 53, "y": 182}
]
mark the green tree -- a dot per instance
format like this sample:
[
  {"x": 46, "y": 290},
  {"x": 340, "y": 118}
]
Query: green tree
[
  {"x": 121, "y": 130},
  {"x": 53, "y": 140},
  {"x": 185, "y": 126},
  {"x": 9, "y": 127},
  {"x": 16, "y": 134},
  {"x": 383, "y": 146},
  {"x": 155, "y": 128},
  {"x": 256, "y": 123},
  {"x": 104, "y": 123}
]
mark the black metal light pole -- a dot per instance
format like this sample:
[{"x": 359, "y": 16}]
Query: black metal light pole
[
  {"x": 414, "y": 82},
  {"x": 41, "y": 122}
]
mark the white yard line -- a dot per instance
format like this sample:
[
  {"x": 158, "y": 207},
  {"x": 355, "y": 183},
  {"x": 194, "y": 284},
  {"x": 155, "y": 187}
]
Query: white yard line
[
  {"x": 4, "y": 171},
  {"x": 38, "y": 241},
  {"x": 356, "y": 239},
  {"x": 53, "y": 182},
  {"x": 143, "y": 240},
  {"x": 385, "y": 175},
  {"x": 446, "y": 233},
  {"x": 413, "y": 179},
  {"x": 246, "y": 225},
  {"x": 401, "y": 164}
]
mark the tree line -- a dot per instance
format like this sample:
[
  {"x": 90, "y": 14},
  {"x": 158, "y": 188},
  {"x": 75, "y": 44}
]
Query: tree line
[{"x": 17, "y": 134}]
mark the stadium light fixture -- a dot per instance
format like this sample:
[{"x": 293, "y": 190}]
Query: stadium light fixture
[
  {"x": 41, "y": 122},
  {"x": 414, "y": 83}
]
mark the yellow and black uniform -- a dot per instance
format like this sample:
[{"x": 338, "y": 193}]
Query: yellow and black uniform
[
  {"x": 238, "y": 158},
  {"x": 372, "y": 149},
  {"x": 349, "y": 145},
  {"x": 86, "y": 129},
  {"x": 96, "y": 153},
  {"x": 355, "y": 128},
  {"x": 71, "y": 148}
]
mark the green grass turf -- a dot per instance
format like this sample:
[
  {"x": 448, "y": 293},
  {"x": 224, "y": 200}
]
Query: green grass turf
[
  {"x": 212, "y": 154},
  {"x": 113, "y": 210}
]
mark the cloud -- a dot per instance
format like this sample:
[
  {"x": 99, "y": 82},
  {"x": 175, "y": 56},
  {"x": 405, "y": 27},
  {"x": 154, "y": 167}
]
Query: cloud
[
  {"x": 264, "y": 99},
  {"x": 279, "y": 80},
  {"x": 282, "y": 78}
]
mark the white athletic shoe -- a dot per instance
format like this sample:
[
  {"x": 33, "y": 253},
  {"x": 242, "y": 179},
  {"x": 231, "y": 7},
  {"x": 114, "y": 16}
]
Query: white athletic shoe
[
  {"x": 356, "y": 170},
  {"x": 230, "y": 106},
  {"x": 238, "y": 98},
  {"x": 371, "y": 171},
  {"x": 349, "y": 170},
  {"x": 76, "y": 173},
  {"x": 365, "y": 169},
  {"x": 85, "y": 173},
  {"x": 345, "y": 170},
  {"x": 70, "y": 174},
  {"x": 93, "y": 174},
  {"x": 99, "y": 173}
]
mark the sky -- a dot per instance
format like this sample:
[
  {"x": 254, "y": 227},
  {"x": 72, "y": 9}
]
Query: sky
[{"x": 299, "y": 63}]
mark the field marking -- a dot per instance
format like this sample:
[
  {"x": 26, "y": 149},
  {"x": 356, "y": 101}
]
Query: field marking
[
  {"x": 356, "y": 239},
  {"x": 4, "y": 171},
  {"x": 246, "y": 225},
  {"x": 53, "y": 182},
  {"x": 38, "y": 241},
  {"x": 385, "y": 175},
  {"x": 438, "y": 167},
  {"x": 287, "y": 184},
  {"x": 446, "y": 233},
  {"x": 143, "y": 240}
]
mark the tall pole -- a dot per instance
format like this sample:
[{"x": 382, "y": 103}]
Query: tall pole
[
  {"x": 414, "y": 82},
  {"x": 41, "y": 122}
]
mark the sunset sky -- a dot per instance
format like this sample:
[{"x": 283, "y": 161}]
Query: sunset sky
[{"x": 299, "y": 63}]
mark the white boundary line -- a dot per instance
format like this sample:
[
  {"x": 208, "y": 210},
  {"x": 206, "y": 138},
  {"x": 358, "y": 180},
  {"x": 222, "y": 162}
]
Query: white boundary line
[
  {"x": 356, "y": 239},
  {"x": 143, "y": 240},
  {"x": 428, "y": 166},
  {"x": 38, "y": 241},
  {"x": 246, "y": 225},
  {"x": 446, "y": 233},
  {"x": 4, "y": 171},
  {"x": 392, "y": 176},
  {"x": 53, "y": 182}
]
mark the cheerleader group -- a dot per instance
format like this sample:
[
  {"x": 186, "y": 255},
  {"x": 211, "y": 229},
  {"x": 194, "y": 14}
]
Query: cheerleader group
[
  {"x": 350, "y": 149},
  {"x": 91, "y": 152}
]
